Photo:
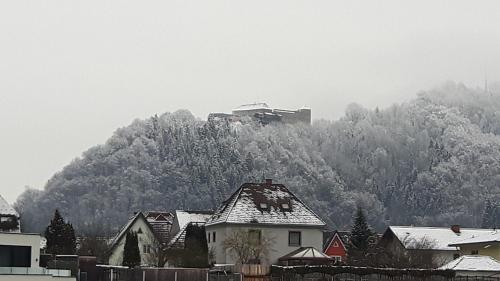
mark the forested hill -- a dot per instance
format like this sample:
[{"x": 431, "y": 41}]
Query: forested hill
[{"x": 432, "y": 161}]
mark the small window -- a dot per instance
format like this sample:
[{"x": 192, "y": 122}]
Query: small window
[
  {"x": 146, "y": 249},
  {"x": 338, "y": 259},
  {"x": 208, "y": 237},
  {"x": 263, "y": 205},
  {"x": 139, "y": 231},
  {"x": 474, "y": 252},
  {"x": 254, "y": 235},
  {"x": 213, "y": 236},
  {"x": 456, "y": 256},
  {"x": 285, "y": 206},
  {"x": 335, "y": 244},
  {"x": 294, "y": 238}
]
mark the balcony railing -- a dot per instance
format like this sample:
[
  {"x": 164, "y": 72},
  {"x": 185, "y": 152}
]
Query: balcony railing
[{"x": 34, "y": 271}]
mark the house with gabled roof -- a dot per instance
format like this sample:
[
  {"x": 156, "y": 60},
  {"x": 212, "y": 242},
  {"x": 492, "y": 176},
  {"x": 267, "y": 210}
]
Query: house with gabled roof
[
  {"x": 152, "y": 229},
  {"x": 438, "y": 242},
  {"x": 9, "y": 218},
  {"x": 335, "y": 247},
  {"x": 266, "y": 211}
]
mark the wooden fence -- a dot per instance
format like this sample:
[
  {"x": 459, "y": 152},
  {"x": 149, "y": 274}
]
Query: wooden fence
[
  {"x": 152, "y": 274},
  {"x": 350, "y": 273}
]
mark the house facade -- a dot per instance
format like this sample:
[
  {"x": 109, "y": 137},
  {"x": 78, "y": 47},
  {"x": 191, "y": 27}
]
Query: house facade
[
  {"x": 20, "y": 259},
  {"x": 265, "y": 211},
  {"x": 485, "y": 245},
  {"x": 181, "y": 221},
  {"x": 335, "y": 247},
  {"x": 148, "y": 241}
]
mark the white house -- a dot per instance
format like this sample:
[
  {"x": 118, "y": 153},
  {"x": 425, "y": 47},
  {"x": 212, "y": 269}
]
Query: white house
[
  {"x": 147, "y": 237},
  {"x": 9, "y": 218},
  {"x": 20, "y": 259},
  {"x": 266, "y": 211}
]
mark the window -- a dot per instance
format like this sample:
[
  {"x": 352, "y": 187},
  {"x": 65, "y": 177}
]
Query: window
[
  {"x": 285, "y": 206},
  {"x": 254, "y": 235},
  {"x": 263, "y": 205},
  {"x": 337, "y": 259},
  {"x": 208, "y": 237},
  {"x": 146, "y": 249},
  {"x": 335, "y": 244},
  {"x": 474, "y": 252},
  {"x": 15, "y": 256},
  {"x": 213, "y": 236},
  {"x": 294, "y": 238},
  {"x": 139, "y": 231},
  {"x": 456, "y": 256}
]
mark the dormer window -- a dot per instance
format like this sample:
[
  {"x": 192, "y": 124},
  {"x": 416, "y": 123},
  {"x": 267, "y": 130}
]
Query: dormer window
[{"x": 263, "y": 206}]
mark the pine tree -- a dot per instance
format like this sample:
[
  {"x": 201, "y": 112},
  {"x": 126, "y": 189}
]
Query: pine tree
[
  {"x": 361, "y": 232},
  {"x": 60, "y": 236},
  {"x": 131, "y": 254}
]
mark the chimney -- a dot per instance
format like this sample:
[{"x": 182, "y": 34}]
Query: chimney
[
  {"x": 455, "y": 228},
  {"x": 269, "y": 182}
]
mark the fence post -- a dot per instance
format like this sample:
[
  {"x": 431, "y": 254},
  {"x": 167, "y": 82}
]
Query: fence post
[
  {"x": 175, "y": 276},
  {"x": 111, "y": 277},
  {"x": 143, "y": 275}
]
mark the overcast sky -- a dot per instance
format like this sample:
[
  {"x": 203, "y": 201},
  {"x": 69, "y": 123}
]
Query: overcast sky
[{"x": 71, "y": 72}]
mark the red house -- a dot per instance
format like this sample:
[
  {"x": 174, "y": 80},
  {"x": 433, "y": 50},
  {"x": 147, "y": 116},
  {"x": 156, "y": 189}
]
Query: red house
[{"x": 334, "y": 247}]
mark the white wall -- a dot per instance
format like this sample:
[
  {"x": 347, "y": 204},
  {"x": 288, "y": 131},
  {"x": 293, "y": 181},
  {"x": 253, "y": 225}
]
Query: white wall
[
  {"x": 19, "y": 239},
  {"x": 145, "y": 238},
  {"x": 311, "y": 237}
]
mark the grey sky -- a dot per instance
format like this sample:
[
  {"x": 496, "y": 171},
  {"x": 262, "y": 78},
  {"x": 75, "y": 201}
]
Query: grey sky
[{"x": 71, "y": 72}]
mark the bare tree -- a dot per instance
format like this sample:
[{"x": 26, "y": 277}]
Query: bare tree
[{"x": 248, "y": 246}]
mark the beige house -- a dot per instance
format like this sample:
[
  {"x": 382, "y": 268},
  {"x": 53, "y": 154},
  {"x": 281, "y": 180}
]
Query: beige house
[
  {"x": 265, "y": 211},
  {"x": 435, "y": 242},
  {"x": 486, "y": 245},
  {"x": 152, "y": 229}
]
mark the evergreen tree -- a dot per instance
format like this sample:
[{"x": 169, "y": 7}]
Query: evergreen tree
[
  {"x": 131, "y": 254},
  {"x": 60, "y": 236},
  {"x": 361, "y": 232},
  {"x": 196, "y": 247}
]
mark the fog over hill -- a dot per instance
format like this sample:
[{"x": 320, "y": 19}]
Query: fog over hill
[{"x": 432, "y": 161}]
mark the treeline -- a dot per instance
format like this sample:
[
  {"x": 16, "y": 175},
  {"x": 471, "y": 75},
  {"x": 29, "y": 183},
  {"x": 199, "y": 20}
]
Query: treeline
[{"x": 432, "y": 161}]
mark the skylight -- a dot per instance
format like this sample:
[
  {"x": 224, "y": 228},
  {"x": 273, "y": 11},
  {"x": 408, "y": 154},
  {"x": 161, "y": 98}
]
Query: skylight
[{"x": 263, "y": 205}]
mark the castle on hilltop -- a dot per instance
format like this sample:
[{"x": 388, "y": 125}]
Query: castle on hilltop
[{"x": 264, "y": 114}]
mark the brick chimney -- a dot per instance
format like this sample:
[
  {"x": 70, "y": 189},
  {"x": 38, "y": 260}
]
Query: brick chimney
[
  {"x": 269, "y": 182},
  {"x": 455, "y": 228}
]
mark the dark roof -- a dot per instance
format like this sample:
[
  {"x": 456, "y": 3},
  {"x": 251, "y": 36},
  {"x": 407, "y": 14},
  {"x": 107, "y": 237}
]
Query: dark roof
[
  {"x": 265, "y": 203},
  {"x": 161, "y": 222}
]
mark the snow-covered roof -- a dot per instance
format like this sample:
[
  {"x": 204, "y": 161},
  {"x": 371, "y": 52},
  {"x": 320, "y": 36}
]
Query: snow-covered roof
[
  {"x": 252, "y": 106},
  {"x": 473, "y": 263},
  {"x": 126, "y": 227},
  {"x": 436, "y": 238},
  {"x": 305, "y": 253},
  {"x": 186, "y": 217},
  {"x": 6, "y": 209},
  {"x": 493, "y": 236},
  {"x": 265, "y": 203}
]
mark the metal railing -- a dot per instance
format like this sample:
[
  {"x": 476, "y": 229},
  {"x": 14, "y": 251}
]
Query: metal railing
[{"x": 34, "y": 271}]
